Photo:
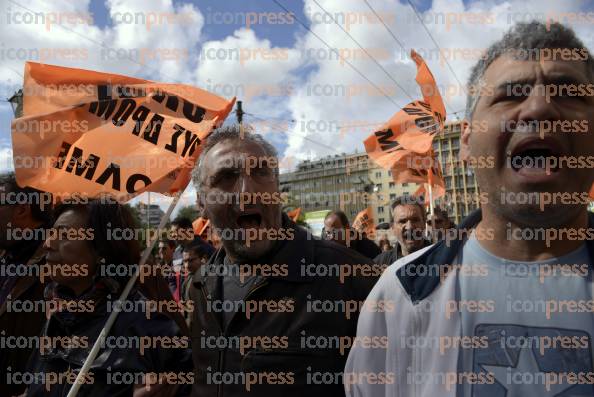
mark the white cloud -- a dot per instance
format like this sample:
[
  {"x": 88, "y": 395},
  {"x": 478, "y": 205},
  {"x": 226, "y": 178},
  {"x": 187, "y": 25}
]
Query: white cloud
[
  {"x": 305, "y": 83},
  {"x": 461, "y": 42}
]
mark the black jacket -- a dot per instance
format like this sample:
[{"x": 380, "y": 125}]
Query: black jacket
[
  {"x": 294, "y": 346},
  {"x": 366, "y": 247},
  {"x": 27, "y": 292},
  {"x": 121, "y": 362}
]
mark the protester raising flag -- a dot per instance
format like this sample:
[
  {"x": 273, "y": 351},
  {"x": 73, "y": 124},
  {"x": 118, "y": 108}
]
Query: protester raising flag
[
  {"x": 99, "y": 133},
  {"x": 364, "y": 223},
  {"x": 93, "y": 134}
]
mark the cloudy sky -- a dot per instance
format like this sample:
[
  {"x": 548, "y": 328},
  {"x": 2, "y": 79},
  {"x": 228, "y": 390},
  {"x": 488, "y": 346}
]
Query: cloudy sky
[{"x": 315, "y": 76}]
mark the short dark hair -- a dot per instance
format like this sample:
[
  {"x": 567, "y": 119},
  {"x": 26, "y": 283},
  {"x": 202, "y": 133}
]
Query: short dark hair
[
  {"x": 102, "y": 217},
  {"x": 41, "y": 213},
  {"x": 182, "y": 222},
  {"x": 200, "y": 247},
  {"x": 406, "y": 200},
  {"x": 341, "y": 215},
  {"x": 522, "y": 39}
]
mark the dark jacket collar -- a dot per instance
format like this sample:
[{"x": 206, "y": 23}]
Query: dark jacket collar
[{"x": 445, "y": 252}]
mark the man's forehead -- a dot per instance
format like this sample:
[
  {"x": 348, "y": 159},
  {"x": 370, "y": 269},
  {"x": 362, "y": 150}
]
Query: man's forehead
[
  {"x": 236, "y": 149},
  {"x": 508, "y": 68},
  {"x": 406, "y": 210}
]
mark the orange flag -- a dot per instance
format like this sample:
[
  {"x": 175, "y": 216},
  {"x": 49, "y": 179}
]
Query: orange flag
[
  {"x": 200, "y": 226},
  {"x": 411, "y": 129},
  {"x": 99, "y": 133},
  {"x": 419, "y": 168},
  {"x": 364, "y": 222},
  {"x": 421, "y": 192},
  {"x": 435, "y": 180},
  {"x": 294, "y": 214}
]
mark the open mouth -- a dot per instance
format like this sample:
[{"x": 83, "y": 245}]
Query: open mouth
[
  {"x": 249, "y": 221},
  {"x": 535, "y": 156}
]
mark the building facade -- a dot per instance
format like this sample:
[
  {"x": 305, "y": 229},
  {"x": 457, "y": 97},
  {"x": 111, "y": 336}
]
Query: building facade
[
  {"x": 462, "y": 193},
  {"x": 330, "y": 183},
  {"x": 149, "y": 214},
  {"x": 352, "y": 182}
]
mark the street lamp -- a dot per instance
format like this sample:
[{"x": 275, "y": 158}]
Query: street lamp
[{"x": 16, "y": 102}]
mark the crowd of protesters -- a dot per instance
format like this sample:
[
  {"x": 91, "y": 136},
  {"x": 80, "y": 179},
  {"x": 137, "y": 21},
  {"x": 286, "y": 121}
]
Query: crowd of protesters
[{"x": 269, "y": 316}]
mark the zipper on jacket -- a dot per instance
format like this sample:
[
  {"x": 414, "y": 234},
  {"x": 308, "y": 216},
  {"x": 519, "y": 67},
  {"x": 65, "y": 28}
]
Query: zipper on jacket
[{"x": 221, "y": 352}]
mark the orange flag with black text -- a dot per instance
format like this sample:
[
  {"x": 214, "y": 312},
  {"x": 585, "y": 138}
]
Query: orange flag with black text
[
  {"x": 411, "y": 129},
  {"x": 420, "y": 168},
  {"x": 97, "y": 133},
  {"x": 200, "y": 226},
  {"x": 294, "y": 214},
  {"x": 364, "y": 222}
]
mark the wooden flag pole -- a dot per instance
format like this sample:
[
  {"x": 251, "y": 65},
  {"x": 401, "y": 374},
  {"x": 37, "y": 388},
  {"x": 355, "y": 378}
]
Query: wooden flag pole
[{"x": 124, "y": 295}]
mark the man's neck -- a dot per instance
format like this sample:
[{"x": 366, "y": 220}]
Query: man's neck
[{"x": 513, "y": 241}]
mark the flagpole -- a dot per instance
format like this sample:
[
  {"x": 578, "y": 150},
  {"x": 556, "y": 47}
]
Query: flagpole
[
  {"x": 148, "y": 219},
  {"x": 431, "y": 212},
  {"x": 124, "y": 295}
]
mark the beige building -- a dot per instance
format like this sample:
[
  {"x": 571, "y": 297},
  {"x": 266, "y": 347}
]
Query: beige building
[
  {"x": 461, "y": 188},
  {"x": 329, "y": 183},
  {"x": 352, "y": 182}
]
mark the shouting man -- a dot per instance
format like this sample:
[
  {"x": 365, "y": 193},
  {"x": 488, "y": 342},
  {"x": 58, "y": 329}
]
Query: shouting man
[
  {"x": 505, "y": 309},
  {"x": 269, "y": 306}
]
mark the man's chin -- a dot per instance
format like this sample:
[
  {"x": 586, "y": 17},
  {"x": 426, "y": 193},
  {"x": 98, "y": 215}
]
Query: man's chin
[
  {"x": 256, "y": 249},
  {"x": 531, "y": 215}
]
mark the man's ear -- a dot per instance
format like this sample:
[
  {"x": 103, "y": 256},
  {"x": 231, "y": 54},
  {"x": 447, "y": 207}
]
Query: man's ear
[{"x": 465, "y": 141}]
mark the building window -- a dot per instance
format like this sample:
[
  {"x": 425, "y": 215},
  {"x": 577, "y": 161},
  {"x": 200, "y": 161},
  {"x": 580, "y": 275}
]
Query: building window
[
  {"x": 389, "y": 173},
  {"x": 381, "y": 220},
  {"x": 378, "y": 186},
  {"x": 378, "y": 174},
  {"x": 392, "y": 184},
  {"x": 392, "y": 196},
  {"x": 405, "y": 184},
  {"x": 380, "y": 210}
]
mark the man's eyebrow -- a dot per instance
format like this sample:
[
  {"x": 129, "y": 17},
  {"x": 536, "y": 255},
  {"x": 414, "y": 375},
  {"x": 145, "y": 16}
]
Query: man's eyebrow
[
  {"x": 520, "y": 81},
  {"x": 563, "y": 79}
]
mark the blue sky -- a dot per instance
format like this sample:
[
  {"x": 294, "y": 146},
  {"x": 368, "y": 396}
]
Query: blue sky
[{"x": 347, "y": 106}]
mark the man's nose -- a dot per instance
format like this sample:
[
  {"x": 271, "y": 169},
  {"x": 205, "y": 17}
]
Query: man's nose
[
  {"x": 246, "y": 184},
  {"x": 539, "y": 107}
]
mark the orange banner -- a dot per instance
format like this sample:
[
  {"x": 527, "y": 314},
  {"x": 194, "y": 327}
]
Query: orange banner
[
  {"x": 419, "y": 168},
  {"x": 411, "y": 129},
  {"x": 364, "y": 222},
  {"x": 200, "y": 226},
  {"x": 98, "y": 133},
  {"x": 421, "y": 192},
  {"x": 294, "y": 214}
]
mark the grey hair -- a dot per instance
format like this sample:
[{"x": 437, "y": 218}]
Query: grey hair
[
  {"x": 523, "y": 41},
  {"x": 231, "y": 132}
]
